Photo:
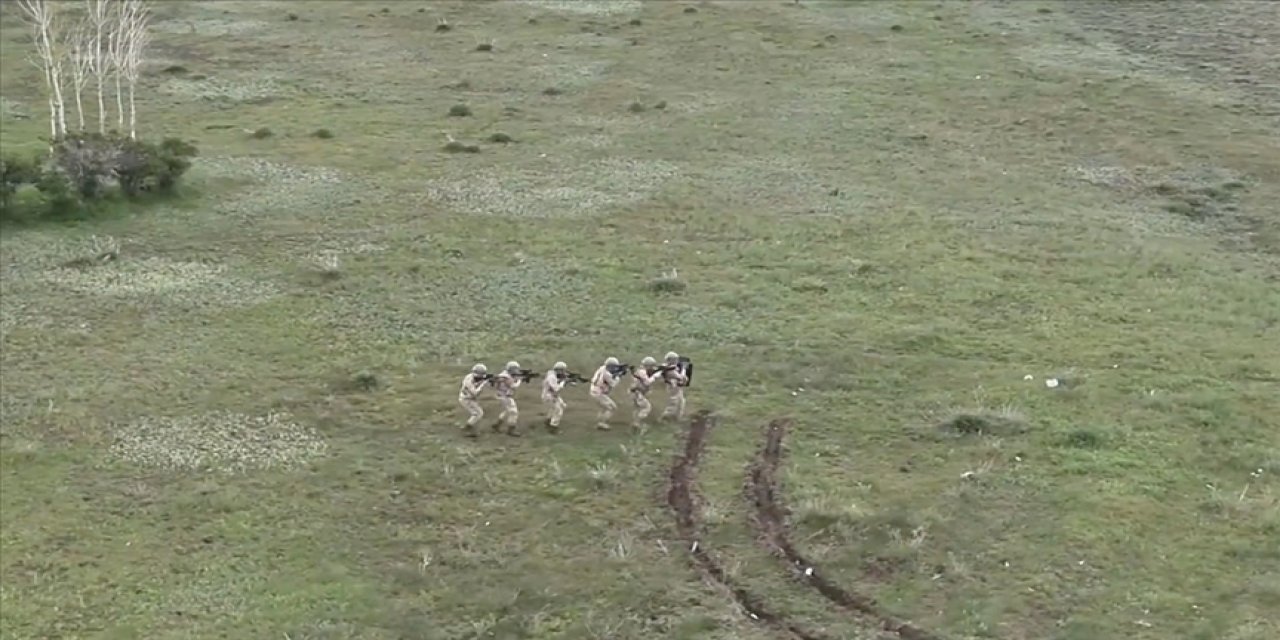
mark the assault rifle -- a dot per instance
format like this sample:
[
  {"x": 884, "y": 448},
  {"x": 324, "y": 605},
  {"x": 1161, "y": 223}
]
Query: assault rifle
[
  {"x": 683, "y": 365},
  {"x": 525, "y": 375},
  {"x": 572, "y": 377},
  {"x": 620, "y": 370}
]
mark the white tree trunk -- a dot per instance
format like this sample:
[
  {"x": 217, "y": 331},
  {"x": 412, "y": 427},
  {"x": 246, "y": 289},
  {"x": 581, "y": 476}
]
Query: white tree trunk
[
  {"x": 58, "y": 99},
  {"x": 133, "y": 115},
  {"x": 102, "y": 109},
  {"x": 53, "y": 115},
  {"x": 119, "y": 105},
  {"x": 99, "y": 14},
  {"x": 79, "y": 107}
]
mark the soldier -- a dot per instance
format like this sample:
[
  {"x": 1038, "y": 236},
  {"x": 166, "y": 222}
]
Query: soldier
[
  {"x": 642, "y": 382},
  {"x": 504, "y": 386},
  {"x": 674, "y": 379},
  {"x": 601, "y": 385},
  {"x": 551, "y": 387},
  {"x": 469, "y": 397}
]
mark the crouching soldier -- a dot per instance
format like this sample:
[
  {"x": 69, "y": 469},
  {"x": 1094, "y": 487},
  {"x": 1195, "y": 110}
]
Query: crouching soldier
[
  {"x": 504, "y": 386},
  {"x": 675, "y": 379},
  {"x": 601, "y": 386},
  {"x": 554, "y": 383},
  {"x": 469, "y": 397}
]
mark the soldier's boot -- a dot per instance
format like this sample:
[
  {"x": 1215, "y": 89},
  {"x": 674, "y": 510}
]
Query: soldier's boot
[
  {"x": 469, "y": 431},
  {"x": 552, "y": 428},
  {"x": 513, "y": 432},
  {"x": 497, "y": 427}
]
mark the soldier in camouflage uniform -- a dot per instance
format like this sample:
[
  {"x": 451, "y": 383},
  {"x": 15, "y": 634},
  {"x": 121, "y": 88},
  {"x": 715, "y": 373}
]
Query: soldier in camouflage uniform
[
  {"x": 602, "y": 383},
  {"x": 551, "y": 388},
  {"x": 642, "y": 382},
  {"x": 674, "y": 380},
  {"x": 504, "y": 386},
  {"x": 469, "y": 397}
]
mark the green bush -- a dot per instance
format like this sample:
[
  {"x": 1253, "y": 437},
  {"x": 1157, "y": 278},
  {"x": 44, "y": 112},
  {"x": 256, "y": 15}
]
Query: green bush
[
  {"x": 15, "y": 172},
  {"x": 60, "y": 196},
  {"x": 83, "y": 169}
]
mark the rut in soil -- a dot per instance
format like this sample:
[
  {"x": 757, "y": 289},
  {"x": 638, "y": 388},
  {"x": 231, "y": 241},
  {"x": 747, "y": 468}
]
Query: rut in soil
[
  {"x": 770, "y": 519},
  {"x": 684, "y": 500}
]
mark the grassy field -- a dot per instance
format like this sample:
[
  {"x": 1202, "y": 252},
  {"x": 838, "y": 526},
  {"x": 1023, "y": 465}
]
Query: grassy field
[{"x": 892, "y": 223}]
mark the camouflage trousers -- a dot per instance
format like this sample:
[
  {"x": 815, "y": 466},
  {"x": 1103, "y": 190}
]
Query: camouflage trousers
[
  {"x": 675, "y": 404},
  {"x": 510, "y": 413},
  {"x": 643, "y": 407},
  {"x": 607, "y": 407},
  {"x": 474, "y": 411},
  {"x": 555, "y": 409}
]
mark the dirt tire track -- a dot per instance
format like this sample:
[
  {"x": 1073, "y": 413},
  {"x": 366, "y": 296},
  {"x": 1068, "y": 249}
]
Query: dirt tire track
[
  {"x": 683, "y": 498},
  {"x": 770, "y": 519}
]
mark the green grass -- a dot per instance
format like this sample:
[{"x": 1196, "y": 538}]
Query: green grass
[{"x": 882, "y": 216}]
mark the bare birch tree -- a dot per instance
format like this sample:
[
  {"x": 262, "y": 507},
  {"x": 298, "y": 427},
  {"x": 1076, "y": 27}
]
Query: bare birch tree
[
  {"x": 117, "y": 43},
  {"x": 80, "y": 59},
  {"x": 139, "y": 38},
  {"x": 128, "y": 43},
  {"x": 99, "y": 13},
  {"x": 49, "y": 57}
]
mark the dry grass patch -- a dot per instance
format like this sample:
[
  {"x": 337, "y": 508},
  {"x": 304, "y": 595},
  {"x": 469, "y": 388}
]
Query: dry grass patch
[
  {"x": 221, "y": 89},
  {"x": 556, "y": 192},
  {"x": 41, "y": 276},
  {"x": 222, "y": 442},
  {"x": 567, "y": 75},
  {"x": 276, "y": 186},
  {"x": 822, "y": 510},
  {"x": 440, "y": 316},
  {"x": 186, "y": 283},
  {"x": 210, "y": 27},
  {"x": 590, "y": 141},
  {"x": 586, "y": 7},
  {"x": 589, "y": 40},
  {"x": 779, "y": 180},
  {"x": 22, "y": 254}
]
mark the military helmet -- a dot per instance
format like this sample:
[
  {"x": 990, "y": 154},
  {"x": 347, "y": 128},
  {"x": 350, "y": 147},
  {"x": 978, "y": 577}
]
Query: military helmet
[
  {"x": 648, "y": 361},
  {"x": 611, "y": 362},
  {"x": 479, "y": 368},
  {"x": 559, "y": 366},
  {"x": 513, "y": 366},
  {"x": 672, "y": 356}
]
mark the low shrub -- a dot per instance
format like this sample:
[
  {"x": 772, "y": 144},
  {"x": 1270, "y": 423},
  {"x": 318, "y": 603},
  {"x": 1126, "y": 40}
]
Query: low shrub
[{"x": 82, "y": 171}]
